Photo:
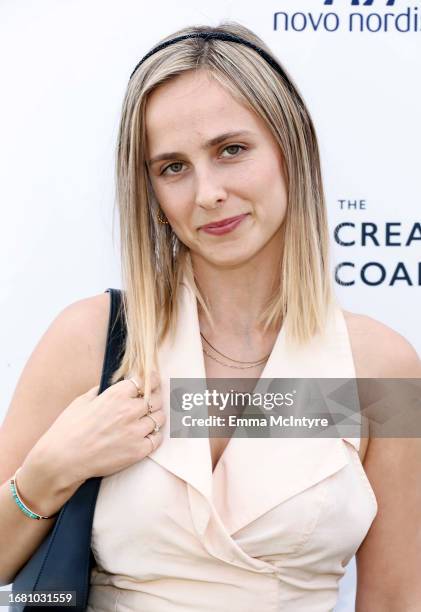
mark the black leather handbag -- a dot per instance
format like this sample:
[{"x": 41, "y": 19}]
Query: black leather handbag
[{"x": 64, "y": 560}]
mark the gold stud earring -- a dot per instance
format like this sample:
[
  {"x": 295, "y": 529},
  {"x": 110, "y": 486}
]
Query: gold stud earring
[{"x": 161, "y": 220}]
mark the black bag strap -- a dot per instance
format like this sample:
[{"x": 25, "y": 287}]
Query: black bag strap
[
  {"x": 116, "y": 338},
  {"x": 64, "y": 559}
]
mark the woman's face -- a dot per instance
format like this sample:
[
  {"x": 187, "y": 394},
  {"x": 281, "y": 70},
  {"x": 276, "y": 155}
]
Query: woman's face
[{"x": 205, "y": 173}]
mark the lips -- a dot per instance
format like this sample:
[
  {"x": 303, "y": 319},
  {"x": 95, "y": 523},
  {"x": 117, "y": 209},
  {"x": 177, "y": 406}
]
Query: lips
[{"x": 223, "y": 222}]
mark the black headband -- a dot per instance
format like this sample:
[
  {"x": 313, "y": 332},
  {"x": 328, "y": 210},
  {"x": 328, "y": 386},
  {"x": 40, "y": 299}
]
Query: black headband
[{"x": 230, "y": 38}]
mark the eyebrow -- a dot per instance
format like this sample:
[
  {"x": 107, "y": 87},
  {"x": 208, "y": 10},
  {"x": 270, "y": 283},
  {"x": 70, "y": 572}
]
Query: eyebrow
[{"x": 207, "y": 145}]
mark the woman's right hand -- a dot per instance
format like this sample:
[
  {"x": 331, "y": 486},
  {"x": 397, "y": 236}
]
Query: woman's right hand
[{"x": 98, "y": 435}]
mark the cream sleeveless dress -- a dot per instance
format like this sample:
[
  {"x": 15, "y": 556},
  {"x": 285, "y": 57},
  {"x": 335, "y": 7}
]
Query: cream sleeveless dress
[{"x": 272, "y": 528}]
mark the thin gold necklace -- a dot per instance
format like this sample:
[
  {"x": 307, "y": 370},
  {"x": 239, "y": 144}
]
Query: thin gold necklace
[
  {"x": 243, "y": 367},
  {"x": 233, "y": 366}
]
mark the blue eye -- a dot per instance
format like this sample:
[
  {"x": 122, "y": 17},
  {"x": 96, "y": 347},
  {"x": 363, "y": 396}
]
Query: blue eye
[
  {"x": 232, "y": 146},
  {"x": 170, "y": 166}
]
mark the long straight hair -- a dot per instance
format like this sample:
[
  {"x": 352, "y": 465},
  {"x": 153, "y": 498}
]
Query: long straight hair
[{"x": 154, "y": 260}]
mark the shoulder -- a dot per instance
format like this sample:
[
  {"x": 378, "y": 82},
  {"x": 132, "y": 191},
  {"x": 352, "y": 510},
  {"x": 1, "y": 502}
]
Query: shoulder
[
  {"x": 86, "y": 315},
  {"x": 380, "y": 351},
  {"x": 71, "y": 349},
  {"x": 85, "y": 319},
  {"x": 82, "y": 328}
]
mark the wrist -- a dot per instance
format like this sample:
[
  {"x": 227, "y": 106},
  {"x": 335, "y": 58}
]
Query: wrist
[
  {"x": 57, "y": 468},
  {"x": 44, "y": 488}
]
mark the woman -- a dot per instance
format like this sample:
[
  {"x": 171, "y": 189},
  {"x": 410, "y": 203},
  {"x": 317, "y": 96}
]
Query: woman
[{"x": 226, "y": 274}]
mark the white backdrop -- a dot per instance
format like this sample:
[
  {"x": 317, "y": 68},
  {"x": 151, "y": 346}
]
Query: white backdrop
[{"x": 64, "y": 68}]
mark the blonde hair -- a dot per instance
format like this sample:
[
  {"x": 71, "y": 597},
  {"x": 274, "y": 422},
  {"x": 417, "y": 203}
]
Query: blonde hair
[{"x": 154, "y": 259}]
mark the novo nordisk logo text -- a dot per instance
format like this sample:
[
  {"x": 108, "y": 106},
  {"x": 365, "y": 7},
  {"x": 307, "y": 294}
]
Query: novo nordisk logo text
[{"x": 356, "y": 20}]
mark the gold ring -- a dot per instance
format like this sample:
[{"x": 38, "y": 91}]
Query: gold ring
[
  {"x": 157, "y": 427},
  {"x": 139, "y": 391}
]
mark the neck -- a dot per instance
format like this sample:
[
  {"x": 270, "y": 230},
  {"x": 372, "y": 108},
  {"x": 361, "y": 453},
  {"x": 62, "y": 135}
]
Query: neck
[{"x": 236, "y": 297}]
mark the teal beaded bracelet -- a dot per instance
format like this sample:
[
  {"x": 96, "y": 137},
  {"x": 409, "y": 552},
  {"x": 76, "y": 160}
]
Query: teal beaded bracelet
[{"x": 19, "y": 502}]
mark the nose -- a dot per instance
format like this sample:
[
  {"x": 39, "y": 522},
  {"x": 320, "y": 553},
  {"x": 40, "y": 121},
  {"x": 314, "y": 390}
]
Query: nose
[{"x": 209, "y": 193}]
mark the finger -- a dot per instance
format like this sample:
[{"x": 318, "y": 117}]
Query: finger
[
  {"x": 138, "y": 385},
  {"x": 154, "y": 403},
  {"x": 129, "y": 387},
  {"x": 139, "y": 381},
  {"x": 138, "y": 388},
  {"x": 151, "y": 442},
  {"x": 149, "y": 423},
  {"x": 152, "y": 422},
  {"x": 143, "y": 408},
  {"x": 139, "y": 407}
]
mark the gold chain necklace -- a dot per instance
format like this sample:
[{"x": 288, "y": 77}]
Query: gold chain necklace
[{"x": 243, "y": 367}]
